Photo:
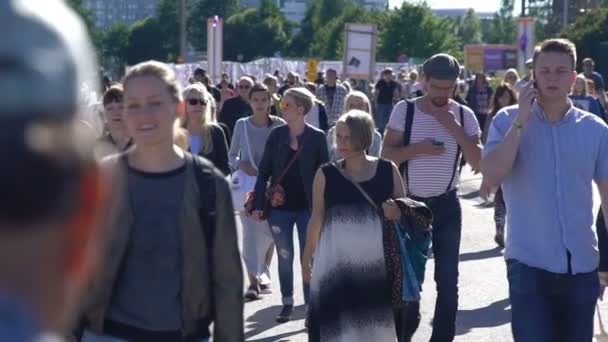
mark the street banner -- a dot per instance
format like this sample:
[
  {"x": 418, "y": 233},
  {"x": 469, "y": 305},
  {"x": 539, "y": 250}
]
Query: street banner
[
  {"x": 215, "y": 46},
  {"x": 359, "y": 51}
]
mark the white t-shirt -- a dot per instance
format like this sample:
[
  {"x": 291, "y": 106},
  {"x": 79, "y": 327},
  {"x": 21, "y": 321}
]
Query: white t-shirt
[
  {"x": 430, "y": 175},
  {"x": 312, "y": 118}
]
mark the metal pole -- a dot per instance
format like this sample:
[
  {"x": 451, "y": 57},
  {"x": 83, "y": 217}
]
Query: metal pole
[
  {"x": 565, "y": 12},
  {"x": 182, "y": 28},
  {"x": 523, "y": 8}
]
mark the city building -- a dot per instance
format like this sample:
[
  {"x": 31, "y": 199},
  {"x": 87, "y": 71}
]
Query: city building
[
  {"x": 107, "y": 12},
  {"x": 461, "y": 12}
]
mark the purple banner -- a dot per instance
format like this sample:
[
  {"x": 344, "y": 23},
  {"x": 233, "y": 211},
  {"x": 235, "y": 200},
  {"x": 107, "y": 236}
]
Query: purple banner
[{"x": 493, "y": 59}]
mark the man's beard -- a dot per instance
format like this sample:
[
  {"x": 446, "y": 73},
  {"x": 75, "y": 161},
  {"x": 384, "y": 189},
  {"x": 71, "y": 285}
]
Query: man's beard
[{"x": 439, "y": 102}]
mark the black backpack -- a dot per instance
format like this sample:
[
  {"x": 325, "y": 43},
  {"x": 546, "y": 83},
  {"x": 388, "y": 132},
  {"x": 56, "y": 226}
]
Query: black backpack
[
  {"x": 407, "y": 135},
  {"x": 205, "y": 174}
]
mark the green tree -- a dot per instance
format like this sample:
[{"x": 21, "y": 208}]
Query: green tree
[
  {"x": 502, "y": 29},
  {"x": 89, "y": 20},
  {"x": 468, "y": 28},
  {"x": 413, "y": 29},
  {"x": 261, "y": 32},
  {"x": 144, "y": 42},
  {"x": 590, "y": 34},
  {"x": 115, "y": 45},
  {"x": 328, "y": 42},
  {"x": 317, "y": 27},
  {"x": 201, "y": 10}
]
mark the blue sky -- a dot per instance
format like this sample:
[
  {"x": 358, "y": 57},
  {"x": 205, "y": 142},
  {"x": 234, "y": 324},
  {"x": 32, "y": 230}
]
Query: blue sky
[{"x": 479, "y": 5}]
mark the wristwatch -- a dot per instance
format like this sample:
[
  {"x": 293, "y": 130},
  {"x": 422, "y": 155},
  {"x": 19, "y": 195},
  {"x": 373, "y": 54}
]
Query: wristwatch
[{"x": 518, "y": 127}]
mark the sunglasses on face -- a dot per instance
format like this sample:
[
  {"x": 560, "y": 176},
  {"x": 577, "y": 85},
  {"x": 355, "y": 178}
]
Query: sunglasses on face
[
  {"x": 284, "y": 105},
  {"x": 194, "y": 102},
  {"x": 244, "y": 87}
]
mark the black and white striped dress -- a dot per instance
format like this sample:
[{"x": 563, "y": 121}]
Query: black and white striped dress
[{"x": 350, "y": 295}]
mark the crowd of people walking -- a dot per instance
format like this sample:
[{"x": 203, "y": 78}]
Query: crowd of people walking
[{"x": 133, "y": 233}]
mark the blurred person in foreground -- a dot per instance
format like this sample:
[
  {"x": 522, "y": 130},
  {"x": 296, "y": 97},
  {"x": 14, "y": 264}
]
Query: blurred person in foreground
[{"x": 54, "y": 193}]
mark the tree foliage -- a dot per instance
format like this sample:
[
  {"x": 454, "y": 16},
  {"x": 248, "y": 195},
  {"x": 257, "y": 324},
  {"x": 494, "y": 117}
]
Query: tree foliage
[
  {"x": 502, "y": 29},
  {"x": 261, "y": 32},
  {"x": 590, "y": 34},
  {"x": 201, "y": 10},
  {"x": 468, "y": 28},
  {"x": 414, "y": 30}
]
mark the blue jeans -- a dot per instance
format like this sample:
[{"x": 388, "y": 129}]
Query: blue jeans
[
  {"x": 383, "y": 115},
  {"x": 551, "y": 307},
  {"x": 282, "y": 223},
  {"x": 447, "y": 228}
]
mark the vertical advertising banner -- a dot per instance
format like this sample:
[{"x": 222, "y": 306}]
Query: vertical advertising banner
[
  {"x": 493, "y": 59},
  {"x": 359, "y": 51},
  {"x": 215, "y": 47},
  {"x": 526, "y": 41}
]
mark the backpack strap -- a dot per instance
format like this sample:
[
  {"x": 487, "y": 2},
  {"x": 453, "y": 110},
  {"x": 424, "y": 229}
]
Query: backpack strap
[
  {"x": 407, "y": 135},
  {"x": 458, "y": 152},
  {"x": 205, "y": 180}
]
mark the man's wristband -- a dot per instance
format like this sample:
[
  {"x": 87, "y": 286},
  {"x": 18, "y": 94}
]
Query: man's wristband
[{"x": 518, "y": 127}]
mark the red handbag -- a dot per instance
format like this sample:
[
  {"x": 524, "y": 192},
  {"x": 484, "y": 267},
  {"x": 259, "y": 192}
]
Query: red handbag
[{"x": 275, "y": 194}]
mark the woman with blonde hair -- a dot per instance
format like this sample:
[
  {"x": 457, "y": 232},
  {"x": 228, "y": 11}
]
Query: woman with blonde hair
[
  {"x": 582, "y": 99},
  {"x": 206, "y": 138},
  {"x": 292, "y": 155},
  {"x": 355, "y": 100},
  {"x": 172, "y": 266}
]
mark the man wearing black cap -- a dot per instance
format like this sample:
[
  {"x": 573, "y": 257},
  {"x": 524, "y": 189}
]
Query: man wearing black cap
[
  {"x": 427, "y": 137},
  {"x": 53, "y": 191}
]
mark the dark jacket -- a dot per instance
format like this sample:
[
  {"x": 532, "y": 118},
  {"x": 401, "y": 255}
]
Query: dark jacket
[
  {"x": 219, "y": 154},
  {"x": 276, "y": 153},
  {"x": 232, "y": 110},
  {"x": 471, "y": 99},
  {"x": 212, "y": 277},
  {"x": 323, "y": 122}
]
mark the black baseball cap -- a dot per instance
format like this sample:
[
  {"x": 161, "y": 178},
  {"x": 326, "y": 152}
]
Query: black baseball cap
[{"x": 441, "y": 67}]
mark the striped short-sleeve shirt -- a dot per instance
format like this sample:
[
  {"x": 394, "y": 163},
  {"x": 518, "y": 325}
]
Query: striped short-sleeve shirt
[{"x": 430, "y": 176}]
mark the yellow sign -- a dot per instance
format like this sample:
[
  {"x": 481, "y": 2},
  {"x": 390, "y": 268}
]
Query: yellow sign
[
  {"x": 312, "y": 69},
  {"x": 474, "y": 58}
]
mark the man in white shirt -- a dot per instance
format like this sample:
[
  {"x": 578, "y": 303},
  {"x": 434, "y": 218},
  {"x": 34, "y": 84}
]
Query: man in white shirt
[{"x": 427, "y": 137}]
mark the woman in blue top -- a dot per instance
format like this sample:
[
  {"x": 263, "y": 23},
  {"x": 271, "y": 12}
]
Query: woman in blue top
[{"x": 581, "y": 99}]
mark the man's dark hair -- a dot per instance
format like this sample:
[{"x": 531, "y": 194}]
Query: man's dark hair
[
  {"x": 114, "y": 94},
  {"x": 556, "y": 45},
  {"x": 200, "y": 72}
]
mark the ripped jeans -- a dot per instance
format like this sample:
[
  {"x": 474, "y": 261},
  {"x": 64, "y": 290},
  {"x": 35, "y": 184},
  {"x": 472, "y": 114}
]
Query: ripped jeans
[{"x": 282, "y": 223}]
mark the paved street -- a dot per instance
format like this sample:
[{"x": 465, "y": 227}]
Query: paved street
[{"x": 484, "y": 307}]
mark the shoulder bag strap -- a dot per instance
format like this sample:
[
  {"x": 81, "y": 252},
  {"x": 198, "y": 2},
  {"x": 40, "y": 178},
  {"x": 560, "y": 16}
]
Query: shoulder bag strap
[
  {"x": 249, "y": 146},
  {"x": 291, "y": 161},
  {"x": 407, "y": 135},
  {"x": 458, "y": 150},
  {"x": 361, "y": 190}
]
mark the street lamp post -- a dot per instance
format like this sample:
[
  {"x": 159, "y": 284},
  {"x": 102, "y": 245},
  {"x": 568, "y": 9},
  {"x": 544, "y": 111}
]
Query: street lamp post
[{"x": 182, "y": 29}]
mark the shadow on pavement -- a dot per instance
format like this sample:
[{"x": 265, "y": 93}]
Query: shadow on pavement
[
  {"x": 490, "y": 253},
  {"x": 470, "y": 195},
  {"x": 496, "y": 314},
  {"x": 279, "y": 338},
  {"x": 264, "y": 320}
]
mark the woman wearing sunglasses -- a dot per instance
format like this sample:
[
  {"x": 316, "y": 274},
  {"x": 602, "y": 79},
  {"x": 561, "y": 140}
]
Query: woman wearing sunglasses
[
  {"x": 292, "y": 155},
  {"x": 206, "y": 138},
  {"x": 246, "y": 150}
]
